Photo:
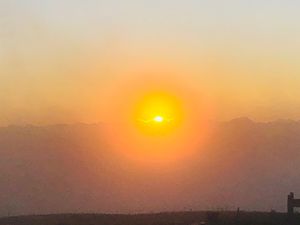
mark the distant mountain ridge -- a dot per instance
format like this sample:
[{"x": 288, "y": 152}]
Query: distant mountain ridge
[{"x": 70, "y": 168}]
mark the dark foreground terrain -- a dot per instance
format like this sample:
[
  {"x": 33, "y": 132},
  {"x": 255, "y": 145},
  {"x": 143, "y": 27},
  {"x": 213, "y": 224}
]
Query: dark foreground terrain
[{"x": 174, "y": 218}]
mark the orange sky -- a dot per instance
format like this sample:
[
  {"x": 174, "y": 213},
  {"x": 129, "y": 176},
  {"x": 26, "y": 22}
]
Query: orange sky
[
  {"x": 122, "y": 63},
  {"x": 60, "y": 66}
]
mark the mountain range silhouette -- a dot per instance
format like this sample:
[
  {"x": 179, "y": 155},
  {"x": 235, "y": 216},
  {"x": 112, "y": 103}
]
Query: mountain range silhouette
[{"x": 71, "y": 168}]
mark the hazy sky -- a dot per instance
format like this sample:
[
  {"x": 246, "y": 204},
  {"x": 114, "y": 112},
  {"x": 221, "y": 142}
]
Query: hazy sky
[{"x": 59, "y": 60}]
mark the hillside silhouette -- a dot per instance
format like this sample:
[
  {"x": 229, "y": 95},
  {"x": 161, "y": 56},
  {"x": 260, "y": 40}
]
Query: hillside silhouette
[
  {"x": 70, "y": 168},
  {"x": 166, "y": 218}
]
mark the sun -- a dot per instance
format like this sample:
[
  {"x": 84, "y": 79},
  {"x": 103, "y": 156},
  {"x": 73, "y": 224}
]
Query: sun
[
  {"x": 158, "y": 119},
  {"x": 158, "y": 114},
  {"x": 158, "y": 125}
]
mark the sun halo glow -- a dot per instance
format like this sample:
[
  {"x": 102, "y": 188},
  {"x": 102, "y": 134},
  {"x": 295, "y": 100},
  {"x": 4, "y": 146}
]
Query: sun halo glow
[{"x": 159, "y": 125}]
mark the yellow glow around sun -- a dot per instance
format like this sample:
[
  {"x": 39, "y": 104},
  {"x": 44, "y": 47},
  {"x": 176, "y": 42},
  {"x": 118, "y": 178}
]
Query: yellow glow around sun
[
  {"x": 159, "y": 123},
  {"x": 158, "y": 113}
]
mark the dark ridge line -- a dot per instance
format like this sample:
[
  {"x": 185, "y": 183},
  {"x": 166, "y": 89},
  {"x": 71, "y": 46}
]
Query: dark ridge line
[{"x": 135, "y": 214}]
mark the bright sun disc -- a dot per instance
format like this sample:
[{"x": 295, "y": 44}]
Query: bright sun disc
[
  {"x": 158, "y": 119},
  {"x": 158, "y": 114}
]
